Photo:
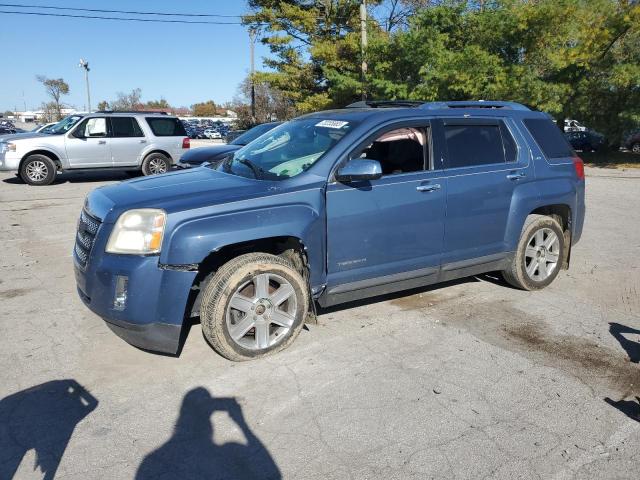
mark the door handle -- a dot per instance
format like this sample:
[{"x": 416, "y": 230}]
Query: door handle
[
  {"x": 516, "y": 176},
  {"x": 428, "y": 188},
  {"x": 101, "y": 142},
  {"x": 143, "y": 141}
]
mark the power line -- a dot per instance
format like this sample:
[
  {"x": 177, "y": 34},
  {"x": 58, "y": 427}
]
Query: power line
[
  {"x": 119, "y": 11},
  {"x": 122, "y": 19}
]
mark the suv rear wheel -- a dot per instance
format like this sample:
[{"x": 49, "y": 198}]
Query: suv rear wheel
[
  {"x": 155, "y": 164},
  {"x": 253, "y": 306},
  {"x": 539, "y": 255},
  {"x": 635, "y": 148},
  {"x": 38, "y": 170}
]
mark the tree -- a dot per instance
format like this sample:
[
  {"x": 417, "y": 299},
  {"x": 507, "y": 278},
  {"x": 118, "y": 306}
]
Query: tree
[
  {"x": 55, "y": 88},
  {"x": 205, "y": 109},
  {"x": 270, "y": 104},
  {"x": 49, "y": 112},
  {"x": 103, "y": 105},
  {"x": 161, "y": 104},
  {"x": 127, "y": 101}
]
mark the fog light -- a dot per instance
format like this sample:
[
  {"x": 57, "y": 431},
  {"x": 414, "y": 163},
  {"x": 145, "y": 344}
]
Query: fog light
[{"x": 120, "y": 298}]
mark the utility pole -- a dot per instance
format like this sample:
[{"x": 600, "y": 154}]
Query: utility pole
[
  {"x": 85, "y": 65},
  {"x": 363, "y": 45},
  {"x": 252, "y": 40}
]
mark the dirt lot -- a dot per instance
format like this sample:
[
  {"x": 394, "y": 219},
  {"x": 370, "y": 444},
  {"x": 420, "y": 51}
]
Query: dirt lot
[{"x": 468, "y": 380}]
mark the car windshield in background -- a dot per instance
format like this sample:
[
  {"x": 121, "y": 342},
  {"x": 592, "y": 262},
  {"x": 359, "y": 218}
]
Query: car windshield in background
[
  {"x": 251, "y": 135},
  {"x": 166, "y": 127},
  {"x": 64, "y": 125},
  {"x": 287, "y": 150}
]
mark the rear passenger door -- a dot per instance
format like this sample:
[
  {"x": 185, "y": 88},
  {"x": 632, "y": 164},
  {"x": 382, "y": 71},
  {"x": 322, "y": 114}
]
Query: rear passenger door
[
  {"x": 127, "y": 141},
  {"x": 484, "y": 166}
]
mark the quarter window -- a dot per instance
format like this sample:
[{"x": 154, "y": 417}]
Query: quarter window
[
  {"x": 125, "y": 127},
  {"x": 473, "y": 145},
  {"x": 166, "y": 127},
  {"x": 549, "y": 137}
]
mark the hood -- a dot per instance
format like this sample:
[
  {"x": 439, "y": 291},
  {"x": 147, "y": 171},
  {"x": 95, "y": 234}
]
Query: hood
[
  {"x": 200, "y": 155},
  {"x": 176, "y": 191},
  {"x": 21, "y": 136}
]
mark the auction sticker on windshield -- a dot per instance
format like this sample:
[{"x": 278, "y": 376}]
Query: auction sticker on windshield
[{"x": 331, "y": 124}]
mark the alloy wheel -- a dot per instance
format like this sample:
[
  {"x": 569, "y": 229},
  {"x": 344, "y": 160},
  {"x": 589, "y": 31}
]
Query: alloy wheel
[
  {"x": 542, "y": 255},
  {"x": 261, "y": 312},
  {"x": 37, "y": 171}
]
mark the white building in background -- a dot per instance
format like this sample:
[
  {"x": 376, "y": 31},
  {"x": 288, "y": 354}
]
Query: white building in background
[{"x": 29, "y": 116}]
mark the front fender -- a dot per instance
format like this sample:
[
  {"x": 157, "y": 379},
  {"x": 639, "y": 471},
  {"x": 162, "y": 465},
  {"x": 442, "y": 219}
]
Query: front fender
[
  {"x": 192, "y": 239},
  {"x": 58, "y": 152}
]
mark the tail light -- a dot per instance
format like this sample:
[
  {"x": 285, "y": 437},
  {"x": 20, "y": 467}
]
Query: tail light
[
  {"x": 186, "y": 143},
  {"x": 578, "y": 164}
]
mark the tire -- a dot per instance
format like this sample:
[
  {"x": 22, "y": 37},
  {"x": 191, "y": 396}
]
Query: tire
[
  {"x": 635, "y": 148},
  {"x": 249, "y": 331},
  {"x": 532, "y": 267},
  {"x": 155, "y": 164},
  {"x": 38, "y": 170}
]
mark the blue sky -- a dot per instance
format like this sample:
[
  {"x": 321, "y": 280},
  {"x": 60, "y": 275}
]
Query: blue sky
[{"x": 182, "y": 63}]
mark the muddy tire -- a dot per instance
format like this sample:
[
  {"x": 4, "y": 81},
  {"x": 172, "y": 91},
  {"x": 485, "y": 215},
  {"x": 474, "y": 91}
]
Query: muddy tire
[
  {"x": 538, "y": 258},
  {"x": 253, "y": 306},
  {"x": 38, "y": 170},
  {"x": 156, "y": 164}
]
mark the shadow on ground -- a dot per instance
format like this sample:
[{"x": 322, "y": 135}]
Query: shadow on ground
[
  {"x": 41, "y": 418},
  {"x": 191, "y": 452},
  {"x": 80, "y": 177},
  {"x": 632, "y": 347}
]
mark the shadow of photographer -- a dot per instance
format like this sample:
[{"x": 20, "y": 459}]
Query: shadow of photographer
[
  {"x": 191, "y": 452},
  {"x": 41, "y": 418}
]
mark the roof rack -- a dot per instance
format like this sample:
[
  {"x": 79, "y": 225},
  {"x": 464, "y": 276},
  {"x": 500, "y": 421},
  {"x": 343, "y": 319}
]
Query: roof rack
[
  {"x": 438, "y": 105},
  {"x": 132, "y": 111},
  {"x": 385, "y": 104}
]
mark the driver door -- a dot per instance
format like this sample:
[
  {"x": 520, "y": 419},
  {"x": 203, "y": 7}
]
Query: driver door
[
  {"x": 392, "y": 228},
  {"x": 87, "y": 145}
]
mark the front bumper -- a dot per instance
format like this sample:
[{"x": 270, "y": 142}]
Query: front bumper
[
  {"x": 9, "y": 161},
  {"x": 152, "y": 315}
]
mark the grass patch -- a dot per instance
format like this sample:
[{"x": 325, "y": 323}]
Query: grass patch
[{"x": 611, "y": 159}]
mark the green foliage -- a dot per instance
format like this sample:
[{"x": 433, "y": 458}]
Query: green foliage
[
  {"x": 161, "y": 104},
  {"x": 205, "y": 109},
  {"x": 55, "y": 88},
  {"x": 571, "y": 58}
]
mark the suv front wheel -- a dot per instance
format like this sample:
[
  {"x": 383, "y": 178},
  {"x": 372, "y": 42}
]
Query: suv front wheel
[
  {"x": 38, "y": 170},
  {"x": 539, "y": 255},
  {"x": 155, "y": 164},
  {"x": 253, "y": 306}
]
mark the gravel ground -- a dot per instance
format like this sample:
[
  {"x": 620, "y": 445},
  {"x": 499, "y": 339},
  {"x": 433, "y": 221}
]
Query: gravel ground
[{"x": 466, "y": 380}]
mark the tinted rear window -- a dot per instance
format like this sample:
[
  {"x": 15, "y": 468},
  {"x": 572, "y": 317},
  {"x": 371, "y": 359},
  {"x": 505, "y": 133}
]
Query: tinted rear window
[
  {"x": 166, "y": 127},
  {"x": 549, "y": 137},
  {"x": 473, "y": 145},
  {"x": 125, "y": 127}
]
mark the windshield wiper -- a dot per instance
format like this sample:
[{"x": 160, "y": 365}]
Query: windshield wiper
[{"x": 257, "y": 171}]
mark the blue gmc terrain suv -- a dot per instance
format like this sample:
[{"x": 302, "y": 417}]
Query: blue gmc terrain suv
[{"x": 327, "y": 208}]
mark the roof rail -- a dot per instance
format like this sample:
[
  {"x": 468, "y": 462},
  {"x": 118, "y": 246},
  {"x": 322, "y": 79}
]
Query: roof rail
[
  {"x": 132, "y": 111},
  {"x": 385, "y": 103},
  {"x": 473, "y": 104},
  {"x": 438, "y": 105}
]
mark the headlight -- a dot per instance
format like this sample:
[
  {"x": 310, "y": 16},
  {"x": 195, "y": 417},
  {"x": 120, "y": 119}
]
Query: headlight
[
  {"x": 138, "y": 232},
  {"x": 7, "y": 147}
]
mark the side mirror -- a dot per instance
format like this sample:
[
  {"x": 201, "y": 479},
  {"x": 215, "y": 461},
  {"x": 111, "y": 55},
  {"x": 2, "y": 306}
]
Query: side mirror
[
  {"x": 359, "y": 169},
  {"x": 78, "y": 133}
]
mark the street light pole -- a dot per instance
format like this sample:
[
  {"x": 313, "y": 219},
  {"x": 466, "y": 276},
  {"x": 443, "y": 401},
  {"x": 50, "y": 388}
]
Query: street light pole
[
  {"x": 363, "y": 45},
  {"x": 252, "y": 40},
  {"x": 85, "y": 65}
]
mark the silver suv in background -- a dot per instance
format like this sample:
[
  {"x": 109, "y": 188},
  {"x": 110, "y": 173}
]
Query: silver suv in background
[{"x": 134, "y": 141}]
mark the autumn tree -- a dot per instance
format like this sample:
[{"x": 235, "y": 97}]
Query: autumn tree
[
  {"x": 55, "y": 88},
  {"x": 205, "y": 109}
]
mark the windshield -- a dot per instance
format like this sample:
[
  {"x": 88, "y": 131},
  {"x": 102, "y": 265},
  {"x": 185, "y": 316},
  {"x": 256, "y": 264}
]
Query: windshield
[
  {"x": 250, "y": 135},
  {"x": 286, "y": 151},
  {"x": 64, "y": 125}
]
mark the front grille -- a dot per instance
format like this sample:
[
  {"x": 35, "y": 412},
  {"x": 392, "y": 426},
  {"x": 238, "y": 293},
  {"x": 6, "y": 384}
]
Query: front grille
[{"x": 85, "y": 238}]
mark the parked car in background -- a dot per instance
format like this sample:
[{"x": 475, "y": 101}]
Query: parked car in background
[
  {"x": 632, "y": 142},
  {"x": 232, "y": 135},
  {"x": 7, "y": 131},
  {"x": 585, "y": 141},
  {"x": 573, "y": 126},
  {"x": 212, "y": 133},
  {"x": 331, "y": 207},
  {"x": 197, "y": 156},
  {"x": 133, "y": 141}
]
